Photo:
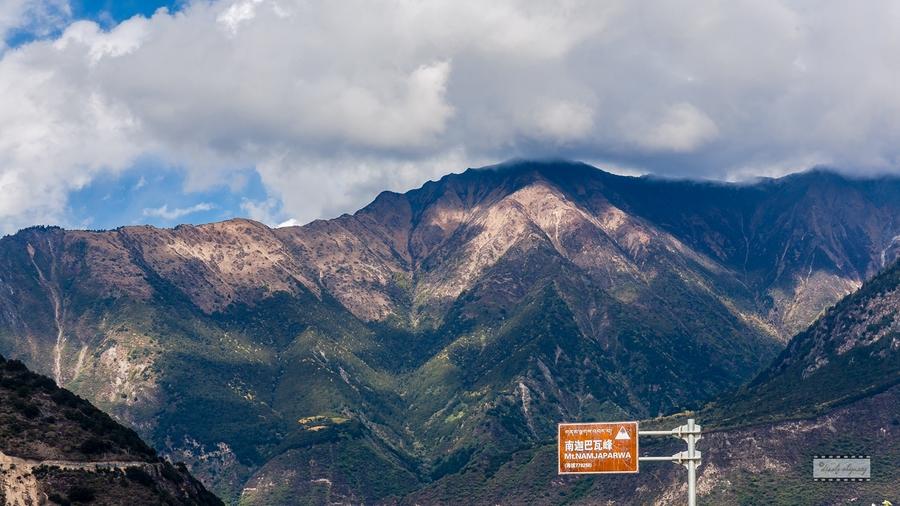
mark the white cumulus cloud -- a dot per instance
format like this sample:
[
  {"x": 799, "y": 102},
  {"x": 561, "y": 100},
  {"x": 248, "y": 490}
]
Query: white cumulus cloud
[
  {"x": 331, "y": 102},
  {"x": 680, "y": 127},
  {"x": 173, "y": 214},
  {"x": 37, "y": 17}
]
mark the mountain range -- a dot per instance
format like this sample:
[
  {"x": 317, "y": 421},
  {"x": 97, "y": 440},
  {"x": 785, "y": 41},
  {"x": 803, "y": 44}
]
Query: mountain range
[{"x": 435, "y": 335}]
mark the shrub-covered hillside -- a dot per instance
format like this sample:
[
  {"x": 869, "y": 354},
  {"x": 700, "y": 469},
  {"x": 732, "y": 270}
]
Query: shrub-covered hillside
[{"x": 56, "y": 448}]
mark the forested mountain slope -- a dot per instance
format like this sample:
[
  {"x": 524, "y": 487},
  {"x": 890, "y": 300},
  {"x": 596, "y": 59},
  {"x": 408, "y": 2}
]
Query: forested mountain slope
[{"x": 442, "y": 328}]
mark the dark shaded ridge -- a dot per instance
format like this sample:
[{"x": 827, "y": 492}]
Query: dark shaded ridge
[{"x": 799, "y": 385}]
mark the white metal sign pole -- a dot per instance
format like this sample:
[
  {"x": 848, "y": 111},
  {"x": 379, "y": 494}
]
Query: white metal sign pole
[
  {"x": 693, "y": 461},
  {"x": 690, "y": 459}
]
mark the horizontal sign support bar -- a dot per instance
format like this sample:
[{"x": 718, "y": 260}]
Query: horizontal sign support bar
[
  {"x": 655, "y": 433},
  {"x": 678, "y": 458},
  {"x": 684, "y": 430}
]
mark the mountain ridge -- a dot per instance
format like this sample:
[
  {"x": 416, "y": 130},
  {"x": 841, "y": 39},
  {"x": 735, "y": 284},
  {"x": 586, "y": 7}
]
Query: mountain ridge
[
  {"x": 56, "y": 447},
  {"x": 445, "y": 326}
]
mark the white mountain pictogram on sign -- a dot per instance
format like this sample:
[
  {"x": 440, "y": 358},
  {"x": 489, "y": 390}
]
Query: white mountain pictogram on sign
[{"x": 623, "y": 434}]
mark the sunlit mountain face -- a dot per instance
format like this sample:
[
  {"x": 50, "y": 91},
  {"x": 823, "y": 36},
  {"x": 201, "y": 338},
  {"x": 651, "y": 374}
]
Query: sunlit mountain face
[{"x": 439, "y": 331}]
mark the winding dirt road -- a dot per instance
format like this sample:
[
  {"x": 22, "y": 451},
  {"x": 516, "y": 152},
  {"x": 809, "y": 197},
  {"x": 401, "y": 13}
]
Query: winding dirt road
[{"x": 20, "y": 486}]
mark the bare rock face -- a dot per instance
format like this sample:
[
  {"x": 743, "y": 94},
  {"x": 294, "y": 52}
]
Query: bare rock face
[
  {"x": 219, "y": 264},
  {"x": 796, "y": 245},
  {"x": 350, "y": 260}
]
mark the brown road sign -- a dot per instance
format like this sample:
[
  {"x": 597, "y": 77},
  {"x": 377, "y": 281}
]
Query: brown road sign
[{"x": 594, "y": 448}]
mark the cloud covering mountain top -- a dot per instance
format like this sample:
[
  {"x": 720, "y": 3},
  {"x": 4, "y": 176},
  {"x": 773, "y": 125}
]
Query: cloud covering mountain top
[{"x": 331, "y": 102}]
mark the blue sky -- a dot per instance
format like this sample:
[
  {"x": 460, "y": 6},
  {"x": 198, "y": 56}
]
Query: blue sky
[
  {"x": 119, "y": 10},
  {"x": 304, "y": 109},
  {"x": 151, "y": 193},
  {"x": 106, "y": 13}
]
